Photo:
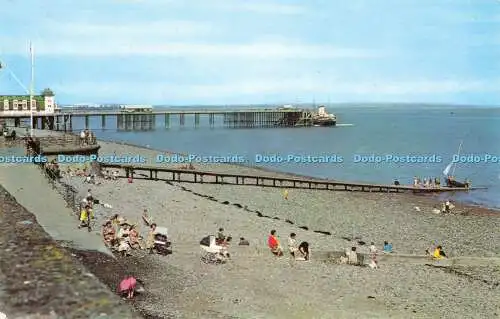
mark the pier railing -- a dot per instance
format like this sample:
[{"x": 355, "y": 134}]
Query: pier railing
[
  {"x": 206, "y": 177},
  {"x": 145, "y": 121}
]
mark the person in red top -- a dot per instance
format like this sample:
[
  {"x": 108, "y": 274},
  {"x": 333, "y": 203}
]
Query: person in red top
[{"x": 274, "y": 244}]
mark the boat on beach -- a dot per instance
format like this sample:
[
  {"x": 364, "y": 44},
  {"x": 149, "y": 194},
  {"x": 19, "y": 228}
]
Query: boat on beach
[{"x": 450, "y": 178}]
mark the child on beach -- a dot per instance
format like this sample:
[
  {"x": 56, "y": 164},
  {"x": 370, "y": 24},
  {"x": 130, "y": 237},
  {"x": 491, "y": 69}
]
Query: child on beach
[
  {"x": 387, "y": 247},
  {"x": 292, "y": 244}
]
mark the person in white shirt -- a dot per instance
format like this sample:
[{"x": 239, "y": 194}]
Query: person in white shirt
[
  {"x": 82, "y": 137},
  {"x": 292, "y": 244},
  {"x": 373, "y": 256}
]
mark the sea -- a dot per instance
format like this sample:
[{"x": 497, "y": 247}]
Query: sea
[{"x": 367, "y": 145}]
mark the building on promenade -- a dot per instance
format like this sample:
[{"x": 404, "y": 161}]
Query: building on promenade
[{"x": 19, "y": 105}]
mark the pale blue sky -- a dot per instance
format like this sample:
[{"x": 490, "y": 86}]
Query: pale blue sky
[{"x": 262, "y": 51}]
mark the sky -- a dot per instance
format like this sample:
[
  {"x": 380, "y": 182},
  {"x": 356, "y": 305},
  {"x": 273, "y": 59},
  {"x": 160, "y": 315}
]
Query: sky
[{"x": 220, "y": 52}]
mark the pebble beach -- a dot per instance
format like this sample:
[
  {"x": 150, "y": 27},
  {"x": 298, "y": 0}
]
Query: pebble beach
[{"x": 256, "y": 284}]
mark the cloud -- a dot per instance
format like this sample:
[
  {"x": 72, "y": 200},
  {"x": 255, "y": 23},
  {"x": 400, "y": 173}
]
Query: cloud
[
  {"x": 262, "y": 7},
  {"x": 134, "y": 44},
  {"x": 146, "y": 29},
  {"x": 168, "y": 91}
]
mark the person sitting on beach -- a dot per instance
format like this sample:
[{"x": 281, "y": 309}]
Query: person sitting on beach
[
  {"x": 221, "y": 237},
  {"x": 109, "y": 234},
  {"x": 387, "y": 247},
  {"x": 274, "y": 244},
  {"x": 134, "y": 238},
  {"x": 115, "y": 175},
  {"x": 438, "y": 253},
  {"x": 302, "y": 252},
  {"x": 243, "y": 242},
  {"x": 352, "y": 256},
  {"x": 124, "y": 230},
  {"x": 227, "y": 241},
  {"x": 292, "y": 244}
]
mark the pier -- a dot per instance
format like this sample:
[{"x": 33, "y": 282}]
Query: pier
[
  {"x": 205, "y": 177},
  {"x": 147, "y": 121}
]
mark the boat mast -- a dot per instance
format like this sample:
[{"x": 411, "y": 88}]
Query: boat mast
[
  {"x": 458, "y": 154},
  {"x": 32, "y": 87}
]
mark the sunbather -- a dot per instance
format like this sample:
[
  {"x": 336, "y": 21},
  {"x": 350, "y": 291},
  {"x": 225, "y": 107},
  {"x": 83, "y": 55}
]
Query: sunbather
[
  {"x": 109, "y": 234},
  {"x": 134, "y": 238}
]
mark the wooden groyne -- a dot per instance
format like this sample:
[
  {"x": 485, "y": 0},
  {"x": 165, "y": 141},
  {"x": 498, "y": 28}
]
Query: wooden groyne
[
  {"x": 145, "y": 121},
  {"x": 205, "y": 177}
]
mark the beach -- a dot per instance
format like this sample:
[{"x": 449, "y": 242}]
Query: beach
[{"x": 256, "y": 284}]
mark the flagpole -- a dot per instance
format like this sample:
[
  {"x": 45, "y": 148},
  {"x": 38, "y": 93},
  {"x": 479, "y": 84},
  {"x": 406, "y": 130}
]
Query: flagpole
[{"x": 32, "y": 87}]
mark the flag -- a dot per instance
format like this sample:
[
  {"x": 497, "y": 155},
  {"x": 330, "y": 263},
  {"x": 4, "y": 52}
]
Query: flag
[{"x": 447, "y": 169}]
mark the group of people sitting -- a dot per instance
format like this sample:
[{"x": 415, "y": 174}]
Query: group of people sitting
[
  {"x": 121, "y": 235},
  {"x": 426, "y": 182},
  {"x": 297, "y": 251},
  {"x": 108, "y": 175},
  {"x": 52, "y": 169}
]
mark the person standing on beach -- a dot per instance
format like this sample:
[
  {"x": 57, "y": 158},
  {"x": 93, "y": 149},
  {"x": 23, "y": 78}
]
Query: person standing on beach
[{"x": 285, "y": 194}]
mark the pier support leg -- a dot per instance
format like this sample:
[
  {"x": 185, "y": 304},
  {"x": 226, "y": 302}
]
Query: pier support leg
[
  {"x": 87, "y": 121},
  {"x": 103, "y": 121},
  {"x": 181, "y": 119},
  {"x": 196, "y": 120},
  {"x": 167, "y": 120},
  {"x": 211, "y": 120},
  {"x": 51, "y": 120}
]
